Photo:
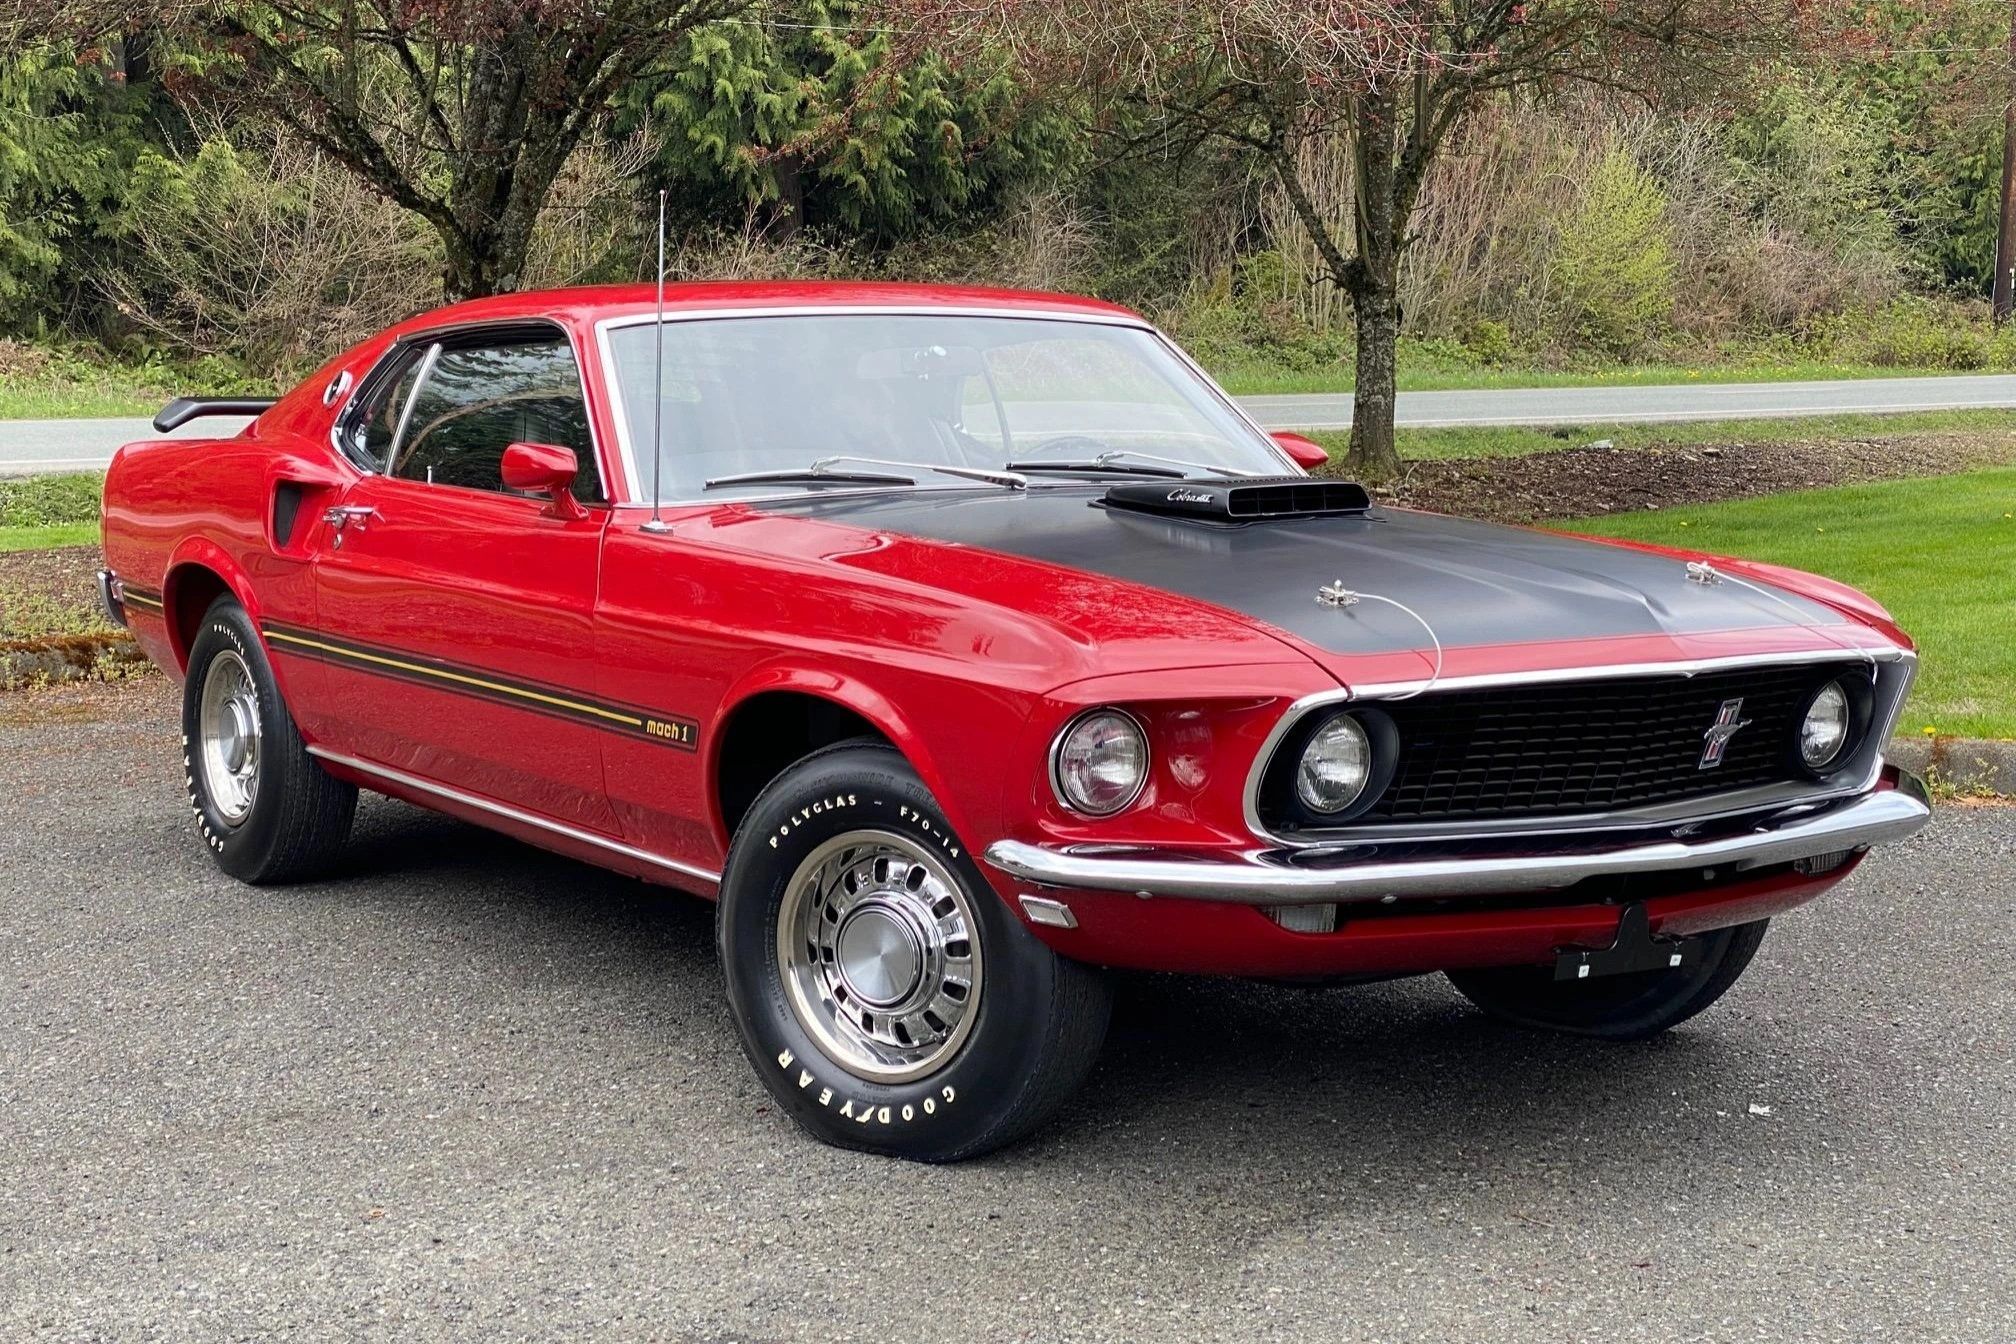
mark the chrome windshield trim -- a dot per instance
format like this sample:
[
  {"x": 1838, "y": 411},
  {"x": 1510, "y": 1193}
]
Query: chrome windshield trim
[
  {"x": 619, "y": 423},
  {"x": 437, "y": 790},
  {"x": 1278, "y": 877},
  {"x": 1714, "y": 805}
]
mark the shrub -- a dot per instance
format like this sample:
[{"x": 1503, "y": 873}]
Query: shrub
[
  {"x": 1914, "y": 333},
  {"x": 1489, "y": 342},
  {"x": 271, "y": 254},
  {"x": 1613, "y": 264},
  {"x": 1239, "y": 318}
]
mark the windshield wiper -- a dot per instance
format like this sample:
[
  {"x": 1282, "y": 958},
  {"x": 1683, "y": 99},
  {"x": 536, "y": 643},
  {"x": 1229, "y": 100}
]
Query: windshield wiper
[
  {"x": 1007, "y": 478},
  {"x": 1111, "y": 462},
  {"x": 812, "y": 475},
  {"x": 822, "y": 471},
  {"x": 1099, "y": 468}
]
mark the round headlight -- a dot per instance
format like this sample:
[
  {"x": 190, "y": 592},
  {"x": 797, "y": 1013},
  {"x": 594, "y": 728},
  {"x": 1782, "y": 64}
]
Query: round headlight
[
  {"x": 1101, "y": 763},
  {"x": 1335, "y": 766},
  {"x": 1824, "y": 733}
]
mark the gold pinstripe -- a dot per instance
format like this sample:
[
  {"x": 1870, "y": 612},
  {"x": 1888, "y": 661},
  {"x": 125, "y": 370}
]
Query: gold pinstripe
[{"x": 628, "y": 720}]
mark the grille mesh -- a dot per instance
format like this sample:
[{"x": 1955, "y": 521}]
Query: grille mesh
[{"x": 1594, "y": 746}]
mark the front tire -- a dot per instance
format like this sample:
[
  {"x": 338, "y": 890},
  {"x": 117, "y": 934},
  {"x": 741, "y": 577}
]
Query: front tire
[
  {"x": 886, "y": 996},
  {"x": 1630, "y": 1007},
  {"x": 267, "y": 809}
]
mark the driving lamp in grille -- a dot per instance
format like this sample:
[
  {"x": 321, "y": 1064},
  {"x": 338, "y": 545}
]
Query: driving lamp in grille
[{"x": 1101, "y": 762}]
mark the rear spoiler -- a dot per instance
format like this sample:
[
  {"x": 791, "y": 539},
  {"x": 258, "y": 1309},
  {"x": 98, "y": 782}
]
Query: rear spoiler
[{"x": 184, "y": 409}]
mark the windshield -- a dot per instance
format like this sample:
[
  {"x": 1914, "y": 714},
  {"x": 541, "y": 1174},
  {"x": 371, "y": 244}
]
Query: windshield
[{"x": 777, "y": 394}]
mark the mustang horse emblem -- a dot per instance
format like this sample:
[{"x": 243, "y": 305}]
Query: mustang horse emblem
[{"x": 1716, "y": 739}]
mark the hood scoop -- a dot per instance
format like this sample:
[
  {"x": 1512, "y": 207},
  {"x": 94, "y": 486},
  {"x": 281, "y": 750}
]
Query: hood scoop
[{"x": 1240, "y": 499}]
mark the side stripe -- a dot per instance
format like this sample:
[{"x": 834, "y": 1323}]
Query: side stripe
[
  {"x": 141, "y": 598},
  {"x": 665, "y": 729}
]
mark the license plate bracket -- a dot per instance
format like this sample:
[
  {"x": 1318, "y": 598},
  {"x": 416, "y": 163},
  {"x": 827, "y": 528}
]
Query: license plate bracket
[{"x": 1636, "y": 948}]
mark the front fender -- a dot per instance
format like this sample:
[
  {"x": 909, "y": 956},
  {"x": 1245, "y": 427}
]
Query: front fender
[
  {"x": 1849, "y": 601},
  {"x": 964, "y": 798}
]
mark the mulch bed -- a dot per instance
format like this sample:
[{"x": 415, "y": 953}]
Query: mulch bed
[
  {"x": 1581, "y": 482},
  {"x": 67, "y": 576}
]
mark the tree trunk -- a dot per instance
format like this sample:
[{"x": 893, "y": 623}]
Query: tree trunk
[
  {"x": 466, "y": 272},
  {"x": 788, "y": 214},
  {"x": 2005, "y": 235},
  {"x": 501, "y": 209},
  {"x": 1376, "y": 310},
  {"x": 1374, "y": 284}
]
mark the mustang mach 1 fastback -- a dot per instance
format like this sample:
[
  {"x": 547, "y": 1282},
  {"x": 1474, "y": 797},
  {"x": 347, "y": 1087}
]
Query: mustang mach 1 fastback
[{"x": 963, "y": 644}]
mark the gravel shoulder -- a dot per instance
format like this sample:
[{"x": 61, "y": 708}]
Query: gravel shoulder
[{"x": 470, "y": 1091}]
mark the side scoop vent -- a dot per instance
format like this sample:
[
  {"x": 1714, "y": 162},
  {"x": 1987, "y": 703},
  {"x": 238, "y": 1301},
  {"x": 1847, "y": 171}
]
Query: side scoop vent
[{"x": 1242, "y": 499}]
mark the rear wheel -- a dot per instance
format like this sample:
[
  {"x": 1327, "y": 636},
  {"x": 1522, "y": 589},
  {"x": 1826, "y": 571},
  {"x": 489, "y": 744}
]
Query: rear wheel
[
  {"x": 1626, "y": 1007},
  {"x": 266, "y": 808},
  {"x": 887, "y": 997}
]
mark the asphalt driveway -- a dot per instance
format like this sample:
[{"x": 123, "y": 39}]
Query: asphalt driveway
[{"x": 471, "y": 1091}]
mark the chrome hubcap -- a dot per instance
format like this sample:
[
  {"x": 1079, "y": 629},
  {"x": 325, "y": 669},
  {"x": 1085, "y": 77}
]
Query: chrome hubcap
[
  {"x": 880, "y": 953},
  {"x": 228, "y": 720}
]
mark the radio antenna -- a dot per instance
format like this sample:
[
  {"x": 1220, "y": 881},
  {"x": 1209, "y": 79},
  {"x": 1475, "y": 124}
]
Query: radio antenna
[{"x": 657, "y": 523}]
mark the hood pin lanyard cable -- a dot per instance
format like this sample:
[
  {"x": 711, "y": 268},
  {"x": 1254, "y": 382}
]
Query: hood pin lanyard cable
[{"x": 1337, "y": 595}]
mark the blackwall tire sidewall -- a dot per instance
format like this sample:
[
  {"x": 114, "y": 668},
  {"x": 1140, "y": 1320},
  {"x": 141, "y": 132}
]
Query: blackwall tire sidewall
[{"x": 241, "y": 849}]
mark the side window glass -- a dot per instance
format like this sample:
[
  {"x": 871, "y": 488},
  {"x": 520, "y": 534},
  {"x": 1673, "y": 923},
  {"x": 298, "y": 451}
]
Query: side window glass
[
  {"x": 374, "y": 424},
  {"x": 479, "y": 400}
]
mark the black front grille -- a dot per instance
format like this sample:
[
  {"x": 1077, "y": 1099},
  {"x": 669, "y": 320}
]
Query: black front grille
[{"x": 1565, "y": 748}]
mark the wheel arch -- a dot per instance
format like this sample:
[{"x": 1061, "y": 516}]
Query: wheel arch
[
  {"x": 781, "y": 715},
  {"x": 199, "y": 573}
]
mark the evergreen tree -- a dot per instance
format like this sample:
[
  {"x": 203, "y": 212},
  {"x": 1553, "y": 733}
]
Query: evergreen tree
[{"x": 806, "y": 117}]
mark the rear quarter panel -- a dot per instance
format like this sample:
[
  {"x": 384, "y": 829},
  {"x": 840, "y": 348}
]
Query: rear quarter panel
[{"x": 180, "y": 511}]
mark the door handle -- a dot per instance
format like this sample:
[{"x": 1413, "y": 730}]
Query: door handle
[{"x": 342, "y": 516}]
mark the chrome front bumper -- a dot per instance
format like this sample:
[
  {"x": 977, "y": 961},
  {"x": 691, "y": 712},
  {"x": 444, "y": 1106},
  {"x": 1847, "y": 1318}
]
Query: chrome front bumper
[{"x": 1360, "y": 873}]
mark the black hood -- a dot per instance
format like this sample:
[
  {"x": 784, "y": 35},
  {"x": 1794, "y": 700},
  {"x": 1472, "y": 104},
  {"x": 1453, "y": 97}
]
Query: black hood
[{"x": 1475, "y": 583}]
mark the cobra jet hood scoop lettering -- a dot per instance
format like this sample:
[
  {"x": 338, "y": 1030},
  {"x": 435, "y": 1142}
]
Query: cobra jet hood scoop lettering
[{"x": 1244, "y": 499}]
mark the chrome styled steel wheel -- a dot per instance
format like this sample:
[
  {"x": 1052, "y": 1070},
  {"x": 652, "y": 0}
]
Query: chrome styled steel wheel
[
  {"x": 880, "y": 955},
  {"x": 228, "y": 722},
  {"x": 851, "y": 925}
]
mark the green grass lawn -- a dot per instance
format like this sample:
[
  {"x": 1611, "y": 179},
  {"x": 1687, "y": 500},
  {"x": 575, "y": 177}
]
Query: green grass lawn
[
  {"x": 38, "y": 512},
  {"x": 75, "y": 382},
  {"x": 73, "y": 391},
  {"x": 1939, "y": 553},
  {"x": 84, "y": 401},
  {"x": 46, "y": 538},
  {"x": 1520, "y": 440}
]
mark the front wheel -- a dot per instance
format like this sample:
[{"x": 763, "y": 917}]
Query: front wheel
[
  {"x": 1629, "y": 1007},
  {"x": 886, "y": 996}
]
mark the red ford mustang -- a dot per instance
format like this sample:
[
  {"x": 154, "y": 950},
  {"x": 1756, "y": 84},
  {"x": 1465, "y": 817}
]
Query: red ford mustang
[{"x": 963, "y": 643}]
